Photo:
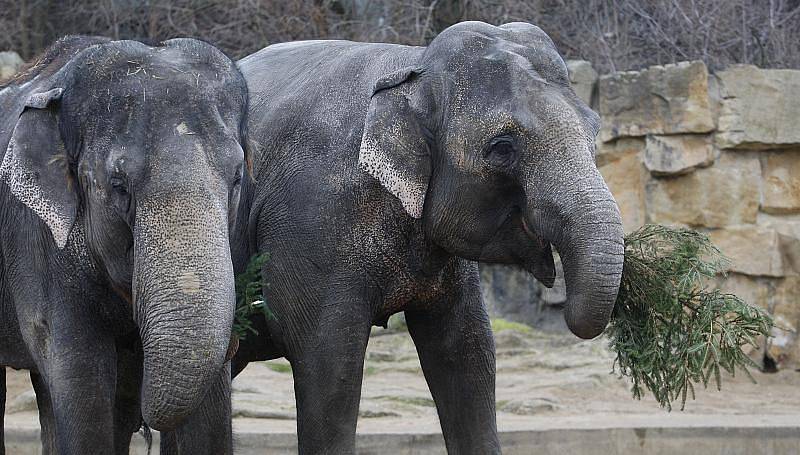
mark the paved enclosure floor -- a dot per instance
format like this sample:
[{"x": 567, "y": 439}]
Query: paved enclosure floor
[{"x": 544, "y": 382}]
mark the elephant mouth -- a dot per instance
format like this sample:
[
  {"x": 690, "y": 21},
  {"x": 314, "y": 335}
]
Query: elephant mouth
[{"x": 540, "y": 263}]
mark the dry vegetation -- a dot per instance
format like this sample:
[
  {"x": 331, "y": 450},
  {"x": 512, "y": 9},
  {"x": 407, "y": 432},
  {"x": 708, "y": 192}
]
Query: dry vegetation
[{"x": 613, "y": 34}]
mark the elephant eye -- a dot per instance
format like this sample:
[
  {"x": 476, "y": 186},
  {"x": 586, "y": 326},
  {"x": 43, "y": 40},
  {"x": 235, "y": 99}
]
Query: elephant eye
[{"x": 501, "y": 152}]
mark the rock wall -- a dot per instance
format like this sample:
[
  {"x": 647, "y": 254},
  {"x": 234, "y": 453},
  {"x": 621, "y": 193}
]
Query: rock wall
[
  {"x": 10, "y": 63},
  {"x": 719, "y": 153},
  {"x": 716, "y": 152}
]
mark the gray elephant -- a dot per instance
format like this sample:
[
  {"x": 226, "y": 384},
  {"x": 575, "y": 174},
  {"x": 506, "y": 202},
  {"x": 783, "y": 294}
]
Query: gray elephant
[
  {"x": 382, "y": 173},
  {"x": 120, "y": 176}
]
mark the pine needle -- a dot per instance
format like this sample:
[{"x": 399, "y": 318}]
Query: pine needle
[
  {"x": 250, "y": 298},
  {"x": 668, "y": 329}
]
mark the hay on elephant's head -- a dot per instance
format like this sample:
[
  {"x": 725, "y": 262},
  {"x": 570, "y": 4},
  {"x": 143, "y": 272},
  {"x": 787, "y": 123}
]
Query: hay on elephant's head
[{"x": 669, "y": 329}]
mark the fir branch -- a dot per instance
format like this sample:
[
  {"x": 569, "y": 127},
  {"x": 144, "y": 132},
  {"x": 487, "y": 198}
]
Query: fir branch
[
  {"x": 668, "y": 329},
  {"x": 250, "y": 298}
]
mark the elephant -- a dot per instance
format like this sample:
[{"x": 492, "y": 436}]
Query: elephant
[
  {"x": 383, "y": 174},
  {"x": 120, "y": 180}
]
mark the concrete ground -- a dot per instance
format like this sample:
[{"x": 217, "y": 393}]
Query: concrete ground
[{"x": 555, "y": 394}]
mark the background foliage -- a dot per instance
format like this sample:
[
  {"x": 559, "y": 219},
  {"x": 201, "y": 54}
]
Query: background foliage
[{"x": 612, "y": 34}]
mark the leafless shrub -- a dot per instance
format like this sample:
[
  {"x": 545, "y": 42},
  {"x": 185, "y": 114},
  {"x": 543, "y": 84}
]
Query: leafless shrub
[{"x": 613, "y": 34}]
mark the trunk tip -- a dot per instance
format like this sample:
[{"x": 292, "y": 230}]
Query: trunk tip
[
  {"x": 162, "y": 421},
  {"x": 585, "y": 332},
  {"x": 585, "y": 327}
]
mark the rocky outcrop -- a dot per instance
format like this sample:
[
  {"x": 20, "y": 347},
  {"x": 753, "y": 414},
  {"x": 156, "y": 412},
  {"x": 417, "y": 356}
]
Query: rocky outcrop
[
  {"x": 10, "y": 63},
  {"x": 625, "y": 176},
  {"x": 721, "y": 154},
  {"x": 669, "y": 99},
  {"x": 583, "y": 78},
  {"x": 758, "y": 108},
  {"x": 680, "y": 154},
  {"x": 780, "y": 193},
  {"x": 514, "y": 294},
  {"x": 721, "y": 195}
]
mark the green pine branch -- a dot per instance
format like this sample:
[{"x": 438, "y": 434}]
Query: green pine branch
[
  {"x": 250, "y": 298},
  {"x": 669, "y": 330}
]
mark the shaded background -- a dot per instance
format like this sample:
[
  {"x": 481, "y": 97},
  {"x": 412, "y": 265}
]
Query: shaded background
[{"x": 613, "y": 34}]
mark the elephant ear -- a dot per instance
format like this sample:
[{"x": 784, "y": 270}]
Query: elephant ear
[
  {"x": 394, "y": 148},
  {"x": 33, "y": 166}
]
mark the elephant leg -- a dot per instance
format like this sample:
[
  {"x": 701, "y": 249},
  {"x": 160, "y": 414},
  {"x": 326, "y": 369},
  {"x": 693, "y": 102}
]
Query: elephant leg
[
  {"x": 456, "y": 350},
  {"x": 46, "y": 418},
  {"x": 127, "y": 413},
  {"x": 327, "y": 380},
  {"x": 208, "y": 429},
  {"x": 80, "y": 374}
]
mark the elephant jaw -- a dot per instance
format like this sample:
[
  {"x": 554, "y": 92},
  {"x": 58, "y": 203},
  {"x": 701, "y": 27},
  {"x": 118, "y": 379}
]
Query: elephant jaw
[{"x": 540, "y": 264}]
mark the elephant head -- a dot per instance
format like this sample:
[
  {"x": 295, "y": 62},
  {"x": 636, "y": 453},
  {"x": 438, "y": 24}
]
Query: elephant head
[
  {"x": 141, "y": 148},
  {"x": 485, "y": 141}
]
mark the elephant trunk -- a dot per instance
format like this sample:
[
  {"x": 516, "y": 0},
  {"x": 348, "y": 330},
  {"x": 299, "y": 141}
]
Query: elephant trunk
[
  {"x": 582, "y": 220},
  {"x": 184, "y": 299}
]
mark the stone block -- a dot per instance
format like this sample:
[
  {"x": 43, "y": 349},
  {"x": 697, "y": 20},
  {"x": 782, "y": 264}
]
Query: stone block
[
  {"x": 784, "y": 346},
  {"x": 758, "y": 107},
  {"x": 583, "y": 79},
  {"x": 781, "y": 187},
  {"x": 752, "y": 250},
  {"x": 724, "y": 194},
  {"x": 680, "y": 154},
  {"x": 788, "y": 229},
  {"x": 10, "y": 63},
  {"x": 781, "y": 298},
  {"x": 514, "y": 294},
  {"x": 668, "y": 99},
  {"x": 614, "y": 150},
  {"x": 626, "y": 178}
]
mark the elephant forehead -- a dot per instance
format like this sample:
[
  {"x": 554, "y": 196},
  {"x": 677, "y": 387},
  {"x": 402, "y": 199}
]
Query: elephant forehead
[{"x": 493, "y": 50}]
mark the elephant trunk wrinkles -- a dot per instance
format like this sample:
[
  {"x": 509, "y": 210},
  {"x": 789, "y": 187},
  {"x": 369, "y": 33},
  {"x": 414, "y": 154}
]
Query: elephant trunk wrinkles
[
  {"x": 184, "y": 299},
  {"x": 582, "y": 220}
]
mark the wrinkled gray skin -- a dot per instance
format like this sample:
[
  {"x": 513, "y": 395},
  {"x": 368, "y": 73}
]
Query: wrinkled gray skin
[
  {"x": 383, "y": 172},
  {"x": 120, "y": 172}
]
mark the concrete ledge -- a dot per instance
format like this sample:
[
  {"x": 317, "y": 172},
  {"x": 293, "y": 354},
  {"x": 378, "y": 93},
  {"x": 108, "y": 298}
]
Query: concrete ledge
[
  {"x": 768, "y": 435},
  {"x": 651, "y": 441}
]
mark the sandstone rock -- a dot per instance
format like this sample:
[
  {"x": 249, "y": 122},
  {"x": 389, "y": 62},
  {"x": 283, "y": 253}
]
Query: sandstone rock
[
  {"x": 614, "y": 150},
  {"x": 781, "y": 189},
  {"x": 788, "y": 225},
  {"x": 626, "y": 177},
  {"x": 530, "y": 406},
  {"x": 779, "y": 296},
  {"x": 752, "y": 289},
  {"x": 10, "y": 63},
  {"x": 665, "y": 155},
  {"x": 260, "y": 411},
  {"x": 784, "y": 346},
  {"x": 724, "y": 194},
  {"x": 26, "y": 401},
  {"x": 758, "y": 107},
  {"x": 753, "y": 250},
  {"x": 514, "y": 294},
  {"x": 583, "y": 78},
  {"x": 659, "y": 100},
  {"x": 788, "y": 228}
]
